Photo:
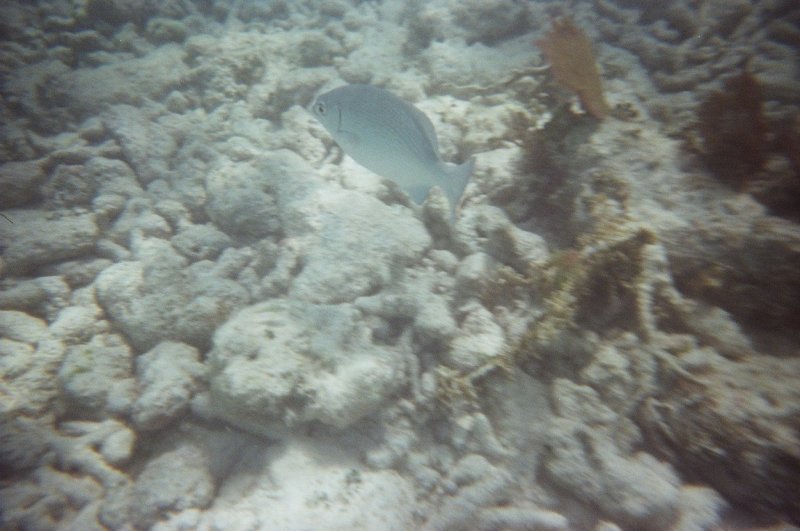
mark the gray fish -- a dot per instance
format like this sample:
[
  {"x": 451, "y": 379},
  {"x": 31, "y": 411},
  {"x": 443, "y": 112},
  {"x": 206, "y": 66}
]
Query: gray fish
[{"x": 392, "y": 138}]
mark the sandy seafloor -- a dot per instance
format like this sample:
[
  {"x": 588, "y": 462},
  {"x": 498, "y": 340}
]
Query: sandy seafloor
[{"x": 211, "y": 319}]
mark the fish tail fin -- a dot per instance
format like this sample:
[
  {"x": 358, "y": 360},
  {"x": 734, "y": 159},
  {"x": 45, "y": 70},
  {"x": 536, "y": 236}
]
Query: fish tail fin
[{"x": 456, "y": 180}]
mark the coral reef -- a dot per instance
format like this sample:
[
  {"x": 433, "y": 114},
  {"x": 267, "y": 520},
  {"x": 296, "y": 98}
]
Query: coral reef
[
  {"x": 344, "y": 495},
  {"x": 32, "y": 241},
  {"x": 280, "y": 364},
  {"x": 473, "y": 21},
  {"x": 479, "y": 484},
  {"x": 189, "y": 306},
  {"x": 174, "y": 481},
  {"x": 66, "y": 485},
  {"x": 168, "y": 376},
  {"x": 629, "y": 276},
  {"x": 211, "y": 319},
  {"x": 754, "y": 278},
  {"x": 729, "y": 428},
  {"x": 594, "y": 464}
]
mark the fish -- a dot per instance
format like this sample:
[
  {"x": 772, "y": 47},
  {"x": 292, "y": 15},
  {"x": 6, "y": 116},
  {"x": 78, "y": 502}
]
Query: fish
[{"x": 392, "y": 138}]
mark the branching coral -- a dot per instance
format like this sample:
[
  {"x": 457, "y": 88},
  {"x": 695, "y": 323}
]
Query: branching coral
[
  {"x": 593, "y": 288},
  {"x": 457, "y": 391},
  {"x": 619, "y": 280},
  {"x": 572, "y": 61}
]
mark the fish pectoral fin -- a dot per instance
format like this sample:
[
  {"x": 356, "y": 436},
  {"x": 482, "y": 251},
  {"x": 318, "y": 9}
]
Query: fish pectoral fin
[{"x": 347, "y": 139}]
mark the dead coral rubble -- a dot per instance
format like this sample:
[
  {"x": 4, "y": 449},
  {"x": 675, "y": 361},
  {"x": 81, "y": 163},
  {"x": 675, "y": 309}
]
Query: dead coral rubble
[{"x": 737, "y": 429}]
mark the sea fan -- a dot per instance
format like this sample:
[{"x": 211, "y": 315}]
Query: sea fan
[{"x": 572, "y": 62}]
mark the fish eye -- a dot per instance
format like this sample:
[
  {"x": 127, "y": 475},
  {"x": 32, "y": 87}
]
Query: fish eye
[{"x": 319, "y": 107}]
